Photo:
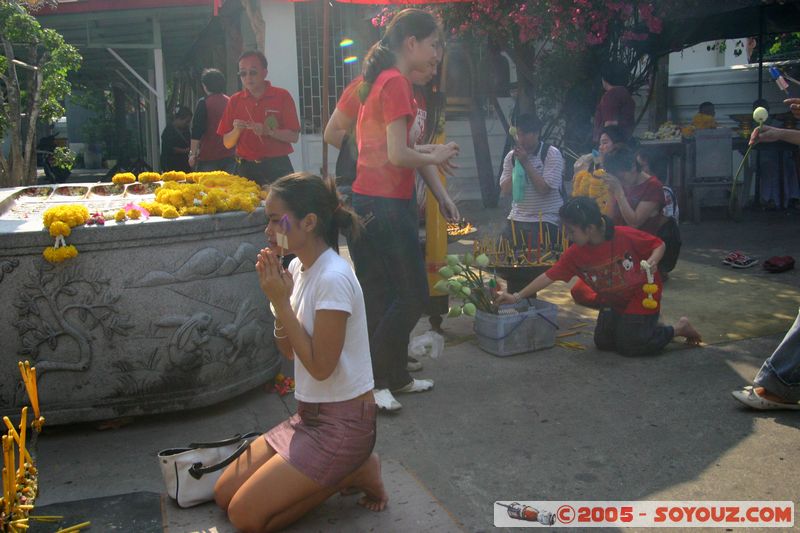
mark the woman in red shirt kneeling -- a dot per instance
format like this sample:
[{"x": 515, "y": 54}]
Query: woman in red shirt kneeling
[{"x": 609, "y": 260}]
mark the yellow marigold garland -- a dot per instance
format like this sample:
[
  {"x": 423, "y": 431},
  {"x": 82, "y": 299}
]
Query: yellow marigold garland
[
  {"x": 123, "y": 178},
  {"x": 59, "y": 221},
  {"x": 593, "y": 186},
  {"x": 174, "y": 175},
  {"x": 206, "y": 194},
  {"x": 149, "y": 177}
]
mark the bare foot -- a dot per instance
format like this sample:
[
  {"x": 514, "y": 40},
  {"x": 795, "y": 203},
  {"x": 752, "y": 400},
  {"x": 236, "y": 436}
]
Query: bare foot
[
  {"x": 764, "y": 393},
  {"x": 684, "y": 328},
  {"x": 368, "y": 479}
]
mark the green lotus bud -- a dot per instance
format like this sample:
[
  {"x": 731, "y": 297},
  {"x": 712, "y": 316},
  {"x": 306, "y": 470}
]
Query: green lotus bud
[
  {"x": 446, "y": 272},
  {"x": 513, "y": 132},
  {"x": 469, "y": 309},
  {"x": 454, "y": 285},
  {"x": 466, "y": 291},
  {"x": 457, "y": 269},
  {"x": 482, "y": 260},
  {"x": 454, "y": 312},
  {"x": 469, "y": 259},
  {"x": 441, "y": 286},
  {"x": 452, "y": 260}
]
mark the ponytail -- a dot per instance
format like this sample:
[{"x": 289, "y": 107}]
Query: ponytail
[
  {"x": 306, "y": 193},
  {"x": 584, "y": 212},
  {"x": 378, "y": 59},
  {"x": 409, "y": 22},
  {"x": 343, "y": 219},
  {"x": 608, "y": 227}
]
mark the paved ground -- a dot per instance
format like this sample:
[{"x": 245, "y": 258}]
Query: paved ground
[{"x": 550, "y": 425}]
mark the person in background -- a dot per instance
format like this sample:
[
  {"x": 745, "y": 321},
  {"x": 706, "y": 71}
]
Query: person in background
[
  {"x": 777, "y": 192},
  {"x": 616, "y": 106},
  {"x": 532, "y": 173},
  {"x": 175, "y": 142},
  {"x": 387, "y": 258},
  {"x": 261, "y": 122},
  {"x": 777, "y": 385},
  {"x": 207, "y": 151},
  {"x": 610, "y": 136},
  {"x": 638, "y": 202}
]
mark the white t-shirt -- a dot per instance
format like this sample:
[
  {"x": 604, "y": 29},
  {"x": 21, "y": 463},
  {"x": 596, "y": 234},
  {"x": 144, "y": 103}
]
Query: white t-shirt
[{"x": 331, "y": 284}]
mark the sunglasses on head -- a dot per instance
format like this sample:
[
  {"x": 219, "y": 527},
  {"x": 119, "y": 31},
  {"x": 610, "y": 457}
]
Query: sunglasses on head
[{"x": 251, "y": 72}]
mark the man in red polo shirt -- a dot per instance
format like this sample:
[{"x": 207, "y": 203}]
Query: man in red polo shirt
[{"x": 261, "y": 122}]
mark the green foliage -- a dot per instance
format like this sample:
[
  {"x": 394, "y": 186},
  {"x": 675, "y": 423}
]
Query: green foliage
[
  {"x": 783, "y": 46},
  {"x": 35, "y": 83},
  {"x": 63, "y": 158}
]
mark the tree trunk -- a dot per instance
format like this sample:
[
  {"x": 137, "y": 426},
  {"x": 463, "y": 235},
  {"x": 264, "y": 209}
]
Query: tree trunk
[
  {"x": 253, "y": 10},
  {"x": 483, "y": 156}
]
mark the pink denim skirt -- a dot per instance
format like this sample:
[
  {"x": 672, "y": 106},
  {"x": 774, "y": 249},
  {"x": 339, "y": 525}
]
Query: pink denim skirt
[{"x": 326, "y": 441}]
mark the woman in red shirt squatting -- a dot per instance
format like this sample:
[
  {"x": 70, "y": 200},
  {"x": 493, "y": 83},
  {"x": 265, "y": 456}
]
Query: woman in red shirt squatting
[
  {"x": 387, "y": 258},
  {"x": 608, "y": 259}
]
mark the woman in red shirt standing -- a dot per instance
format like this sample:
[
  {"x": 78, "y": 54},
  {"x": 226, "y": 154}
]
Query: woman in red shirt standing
[
  {"x": 609, "y": 260},
  {"x": 387, "y": 257}
]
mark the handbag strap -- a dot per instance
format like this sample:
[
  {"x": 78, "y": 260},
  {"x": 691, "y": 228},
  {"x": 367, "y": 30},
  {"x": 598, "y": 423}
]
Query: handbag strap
[
  {"x": 216, "y": 444},
  {"x": 197, "y": 470}
]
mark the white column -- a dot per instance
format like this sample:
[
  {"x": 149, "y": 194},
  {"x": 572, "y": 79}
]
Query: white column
[
  {"x": 280, "y": 47},
  {"x": 161, "y": 87}
]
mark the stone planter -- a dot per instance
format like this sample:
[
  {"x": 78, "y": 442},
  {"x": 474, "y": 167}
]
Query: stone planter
[{"x": 151, "y": 316}]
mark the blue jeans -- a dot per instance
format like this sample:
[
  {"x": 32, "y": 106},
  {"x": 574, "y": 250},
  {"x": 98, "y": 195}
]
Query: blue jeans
[
  {"x": 780, "y": 373},
  {"x": 390, "y": 267}
]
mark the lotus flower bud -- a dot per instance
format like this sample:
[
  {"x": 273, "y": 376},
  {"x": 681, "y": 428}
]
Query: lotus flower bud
[
  {"x": 482, "y": 260},
  {"x": 452, "y": 260},
  {"x": 454, "y": 286},
  {"x": 466, "y": 291},
  {"x": 440, "y": 286},
  {"x": 469, "y": 259},
  {"x": 760, "y": 115},
  {"x": 457, "y": 269},
  {"x": 446, "y": 272},
  {"x": 469, "y": 309},
  {"x": 454, "y": 312},
  {"x": 513, "y": 132}
]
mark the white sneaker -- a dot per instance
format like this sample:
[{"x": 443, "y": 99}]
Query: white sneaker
[
  {"x": 416, "y": 385},
  {"x": 385, "y": 400}
]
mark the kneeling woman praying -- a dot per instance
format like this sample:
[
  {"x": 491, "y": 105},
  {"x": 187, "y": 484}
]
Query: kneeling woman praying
[{"x": 320, "y": 322}]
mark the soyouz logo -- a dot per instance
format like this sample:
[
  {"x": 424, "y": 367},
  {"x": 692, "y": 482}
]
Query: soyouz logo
[{"x": 729, "y": 514}]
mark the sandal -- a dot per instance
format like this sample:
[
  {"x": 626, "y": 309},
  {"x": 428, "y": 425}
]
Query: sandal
[
  {"x": 731, "y": 257},
  {"x": 750, "y": 398},
  {"x": 745, "y": 261}
]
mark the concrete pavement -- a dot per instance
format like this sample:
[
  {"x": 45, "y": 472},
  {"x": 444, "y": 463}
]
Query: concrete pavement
[{"x": 557, "y": 424}]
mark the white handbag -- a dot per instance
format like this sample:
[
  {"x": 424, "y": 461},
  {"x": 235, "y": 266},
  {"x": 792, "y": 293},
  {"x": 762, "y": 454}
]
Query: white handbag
[{"x": 190, "y": 473}]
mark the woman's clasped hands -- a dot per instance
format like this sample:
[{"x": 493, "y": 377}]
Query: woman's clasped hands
[{"x": 276, "y": 283}]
